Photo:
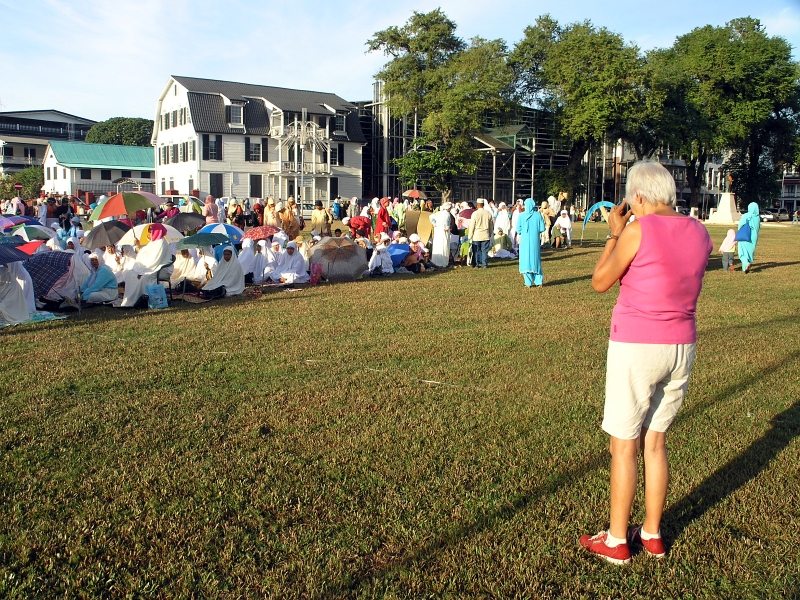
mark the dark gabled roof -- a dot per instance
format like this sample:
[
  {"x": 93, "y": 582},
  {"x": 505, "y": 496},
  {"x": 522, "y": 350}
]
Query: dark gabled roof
[
  {"x": 46, "y": 111},
  {"x": 352, "y": 126},
  {"x": 283, "y": 98},
  {"x": 208, "y": 115}
]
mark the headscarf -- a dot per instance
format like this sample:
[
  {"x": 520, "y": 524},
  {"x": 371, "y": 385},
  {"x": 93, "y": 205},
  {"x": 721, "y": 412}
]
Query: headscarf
[
  {"x": 228, "y": 273},
  {"x": 157, "y": 231},
  {"x": 729, "y": 242},
  {"x": 184, "y": 268},
  {"x": 247, "y": 256},
  {"x": 530, "y": 209},
  {"x": 152, "y": 257}
]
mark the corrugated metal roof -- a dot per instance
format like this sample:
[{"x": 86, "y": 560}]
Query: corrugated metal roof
[
  {"x": 103, "y": 156},
  {"x": 492, "y": 142},
  {"x": 16, "y": 139},
  {"x": 283, "y": 98}
]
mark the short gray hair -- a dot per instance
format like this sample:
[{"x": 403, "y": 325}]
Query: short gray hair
[{"x": 652, "y": 182}]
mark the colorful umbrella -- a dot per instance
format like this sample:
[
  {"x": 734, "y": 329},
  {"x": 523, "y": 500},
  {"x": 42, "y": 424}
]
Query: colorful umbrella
[
  {"x": 33, "y": 232},
  {"x": 46, "y": 269},
  {"x": 9, "y": 253},
  {"x": 415, "y": 194},
  {"x": 261, "y": 233},
  {"x": 234, "y": 233},
  {"x": 30, "y": 247},
  {"x": 125, "y": 203},
  {"x": 9, "y": 222},
  {"x": 105, "y": 234},
  {"x": 142, "y": 233},
  {"x": 202, "y": 240}
]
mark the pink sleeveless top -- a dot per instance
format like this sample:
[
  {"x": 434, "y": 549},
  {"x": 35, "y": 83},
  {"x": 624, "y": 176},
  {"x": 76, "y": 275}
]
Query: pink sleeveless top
[{"x": 658, "y": 293}]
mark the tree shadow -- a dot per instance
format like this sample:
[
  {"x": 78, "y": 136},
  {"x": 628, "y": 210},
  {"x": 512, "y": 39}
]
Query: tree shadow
[{"x": 735, "y": 474}]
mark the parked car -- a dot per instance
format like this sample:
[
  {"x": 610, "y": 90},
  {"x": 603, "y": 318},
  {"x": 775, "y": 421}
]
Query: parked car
[
  {"x": 766, "y": 216},
  {"x": 781, "y": 214}
]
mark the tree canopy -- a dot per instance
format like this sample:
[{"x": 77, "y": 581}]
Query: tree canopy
[
  {"x": 450, "y": 85},
  {"x": 31, "y": 178},
  {"x": 122, "y": 131}
]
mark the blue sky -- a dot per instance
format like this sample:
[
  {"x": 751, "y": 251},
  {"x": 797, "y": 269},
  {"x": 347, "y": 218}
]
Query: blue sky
[{"x": 105, "y": 58}]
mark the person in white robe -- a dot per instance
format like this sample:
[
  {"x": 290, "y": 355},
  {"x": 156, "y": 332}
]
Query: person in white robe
[
  {"x": 70, "y": 284},
  {"x": 206, "y": 263},
  {"x": 228, "y": 272},
  {"x": 22, "y": 276},
  {"x": 503, "y": 220},
  {"x": 565, "y": 223},
  {"x": 259, "y": 262},
  {"x": 303, "y": 250},
  {"x": 380, "y": 263},
  {"x": 149, "y": 261},
  {"x": 290, "y": 266},
  {"x": 271, "y": 256},
  {"x": 247, "y": 257},
  {"x": 183, "y": 269},
  {"x": 512, "y": 233},
  {"x": 440, "y": 255},
  {"x": 13, "y": 307}
]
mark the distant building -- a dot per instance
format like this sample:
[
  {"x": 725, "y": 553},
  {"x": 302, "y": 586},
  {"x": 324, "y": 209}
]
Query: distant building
[
  {"x": 253, "y": 141},
  {"x": 24, "y": 135},
  {"x": 77, "y": 167},
  {"x": 512, "y": 153}
]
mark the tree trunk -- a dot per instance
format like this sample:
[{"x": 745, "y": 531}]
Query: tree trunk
[
  {"x": 446, "y": 194},
  {"x": 695, "y": 167},
  {"x": 574, "y": 166}
]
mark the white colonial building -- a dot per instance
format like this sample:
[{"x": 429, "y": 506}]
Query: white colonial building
[{"x": 253, "y": 141}]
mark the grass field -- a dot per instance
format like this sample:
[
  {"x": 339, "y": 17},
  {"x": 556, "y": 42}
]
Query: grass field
[{"x": 295, "y": 445}]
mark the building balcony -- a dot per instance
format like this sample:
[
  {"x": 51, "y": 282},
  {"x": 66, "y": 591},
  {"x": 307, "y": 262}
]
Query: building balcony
[
  {"x": 309, "y": 168},
  {"x": 19, "y": 162}
]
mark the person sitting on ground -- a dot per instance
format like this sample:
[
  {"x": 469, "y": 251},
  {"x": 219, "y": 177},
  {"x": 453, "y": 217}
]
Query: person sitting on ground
[
  {"x": 271, "y": 255},
  {"x": 184, "y": 271},
  {"x": 13, "y": 306},
  {"x": 565, "y": 223},
  {"x": 557, "y": 237},
  {"x": 227, "y": 273},
  {"x": 290, "y": 267},
  {"x": 149, "y": 261},
  {"x": 337, "y": 232},
  {"x": 358, "y": 223},
  {"x": 206, "y": 263},
  {"x": 380, "y": 263},
  {"x": 302, "y": 250},
  {"x": 502, "y": 247},
  {"x": 247, "y": 259},
  {"x": 101, "y": 285}
]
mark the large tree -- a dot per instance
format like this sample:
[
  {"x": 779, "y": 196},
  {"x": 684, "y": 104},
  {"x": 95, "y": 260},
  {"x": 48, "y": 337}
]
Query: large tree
[
  {"x": 729, "y": 90},
  {"x": 450, "y": 85},
  {"x": 31, "y": 178},
  {"x": 122, "y": 131},
  {"x": 588, "y": 78}
]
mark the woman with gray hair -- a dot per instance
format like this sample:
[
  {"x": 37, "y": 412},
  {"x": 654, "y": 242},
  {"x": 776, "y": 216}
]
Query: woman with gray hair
[{"x": 659, "y": 260}]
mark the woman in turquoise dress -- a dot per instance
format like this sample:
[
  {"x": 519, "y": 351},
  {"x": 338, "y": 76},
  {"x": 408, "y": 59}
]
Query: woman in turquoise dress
[
  {"x": 747, "y": 248},
  {"x": 529, "y": 226}
]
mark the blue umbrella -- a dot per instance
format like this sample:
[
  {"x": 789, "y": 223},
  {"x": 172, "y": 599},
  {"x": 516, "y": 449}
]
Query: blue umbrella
[
  {"x": 593, "y": 208},
  {"x": 398, "y": 252},
  {"x": 234, "y": 233},
  {"x": 9, "y": 253},
  {"x": 46, "y": 269}
]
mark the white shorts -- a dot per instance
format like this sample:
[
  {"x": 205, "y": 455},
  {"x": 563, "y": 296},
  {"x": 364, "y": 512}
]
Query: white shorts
[{"x": 645, "y": 386}]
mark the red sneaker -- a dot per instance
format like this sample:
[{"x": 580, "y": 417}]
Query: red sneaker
[
  {"x": 653, "y": 546},
  {"x": 596, "y": 544}
]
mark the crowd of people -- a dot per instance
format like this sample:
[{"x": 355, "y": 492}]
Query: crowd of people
[{"x": 463, "y": 234}]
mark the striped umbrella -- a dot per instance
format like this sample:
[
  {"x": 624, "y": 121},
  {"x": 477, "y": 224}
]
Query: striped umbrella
[
  {"x": 234, "y": 233},
  {"x": 125, "y": 203},
  {"x": 34, "y": 232}
]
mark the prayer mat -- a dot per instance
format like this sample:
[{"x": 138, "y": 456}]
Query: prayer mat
[{"x": 38, "y": 317}]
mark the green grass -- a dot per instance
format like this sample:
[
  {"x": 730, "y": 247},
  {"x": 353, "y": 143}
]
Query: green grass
[{"x": 286, "y": 446}]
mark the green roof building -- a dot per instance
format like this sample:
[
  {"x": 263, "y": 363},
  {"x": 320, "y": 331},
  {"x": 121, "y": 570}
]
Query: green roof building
[{"x": 75, "y": 167}]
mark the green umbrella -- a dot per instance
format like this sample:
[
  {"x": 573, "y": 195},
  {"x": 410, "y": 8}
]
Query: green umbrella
[
  {"x": 201, "y": 240},
  {"x": 124, "y": 203},
  {"x": 30, "y": 233}
]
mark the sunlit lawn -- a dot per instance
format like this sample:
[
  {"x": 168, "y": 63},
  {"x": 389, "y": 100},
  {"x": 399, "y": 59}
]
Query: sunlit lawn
[{"x": 419, "y": 436}]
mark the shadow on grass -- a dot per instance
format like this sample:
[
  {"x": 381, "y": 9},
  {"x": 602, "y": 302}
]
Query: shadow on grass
[
  {"x": 718, "y": 486},
  {"x": 735, "y": 474},
  {"x": 771, "y": 265},
  {"x": 567, "y": 281}
]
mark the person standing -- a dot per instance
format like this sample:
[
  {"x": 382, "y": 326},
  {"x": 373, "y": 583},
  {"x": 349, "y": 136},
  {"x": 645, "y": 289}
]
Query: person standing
[
  {"x": 747, "y": 248},
  {"x": 441, "y": 236},
  {"x": 547, "y": 215},
  {"x": 659, "y": 259},
  {"x": 271, "y": 216},
  {"x": 530, "y": 226},
  {"x": 480, "y": 234},
  {"x": 210, "y": 210},
  {"x": 321, "y": 219},
  {"x": 382, "y": 222}
]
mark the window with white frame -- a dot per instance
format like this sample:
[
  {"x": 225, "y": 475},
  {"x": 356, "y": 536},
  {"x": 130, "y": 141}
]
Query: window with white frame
[
  {"x": 339, "y": 123},
  {"x": 236, "y": 114},
  {"x": 255, "y": 152},
  {"x": 191, "y": 150}
]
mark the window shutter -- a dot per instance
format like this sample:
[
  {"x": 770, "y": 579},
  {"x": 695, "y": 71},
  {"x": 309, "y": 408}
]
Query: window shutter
[
  {"x": 247, "y": 148},
  {"x": 174, "y": 118},
  {"x": 205, "y": 146},
  {"x": 264, "y": 149},
  {"x": 219, "y": 147},
  {"x": 159, "y": 156},
  {"x": 228, "y": 114},
  {"x": 341, "y": 155}
]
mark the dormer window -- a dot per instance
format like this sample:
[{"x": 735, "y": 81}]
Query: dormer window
[
  {"x": 236, "y": 114},
  {"x": 339, "y": 123}
]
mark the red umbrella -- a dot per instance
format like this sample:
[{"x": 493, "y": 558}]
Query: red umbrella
[
  {"x": 261, "y": 233},
  {"x": 125, "y": 203},
  {"x": 30, "y": 247},
  {"x": 415, "y": 194}
]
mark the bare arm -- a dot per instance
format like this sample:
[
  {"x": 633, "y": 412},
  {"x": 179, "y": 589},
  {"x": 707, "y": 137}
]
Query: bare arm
[{"x": 619, "y": 251}]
